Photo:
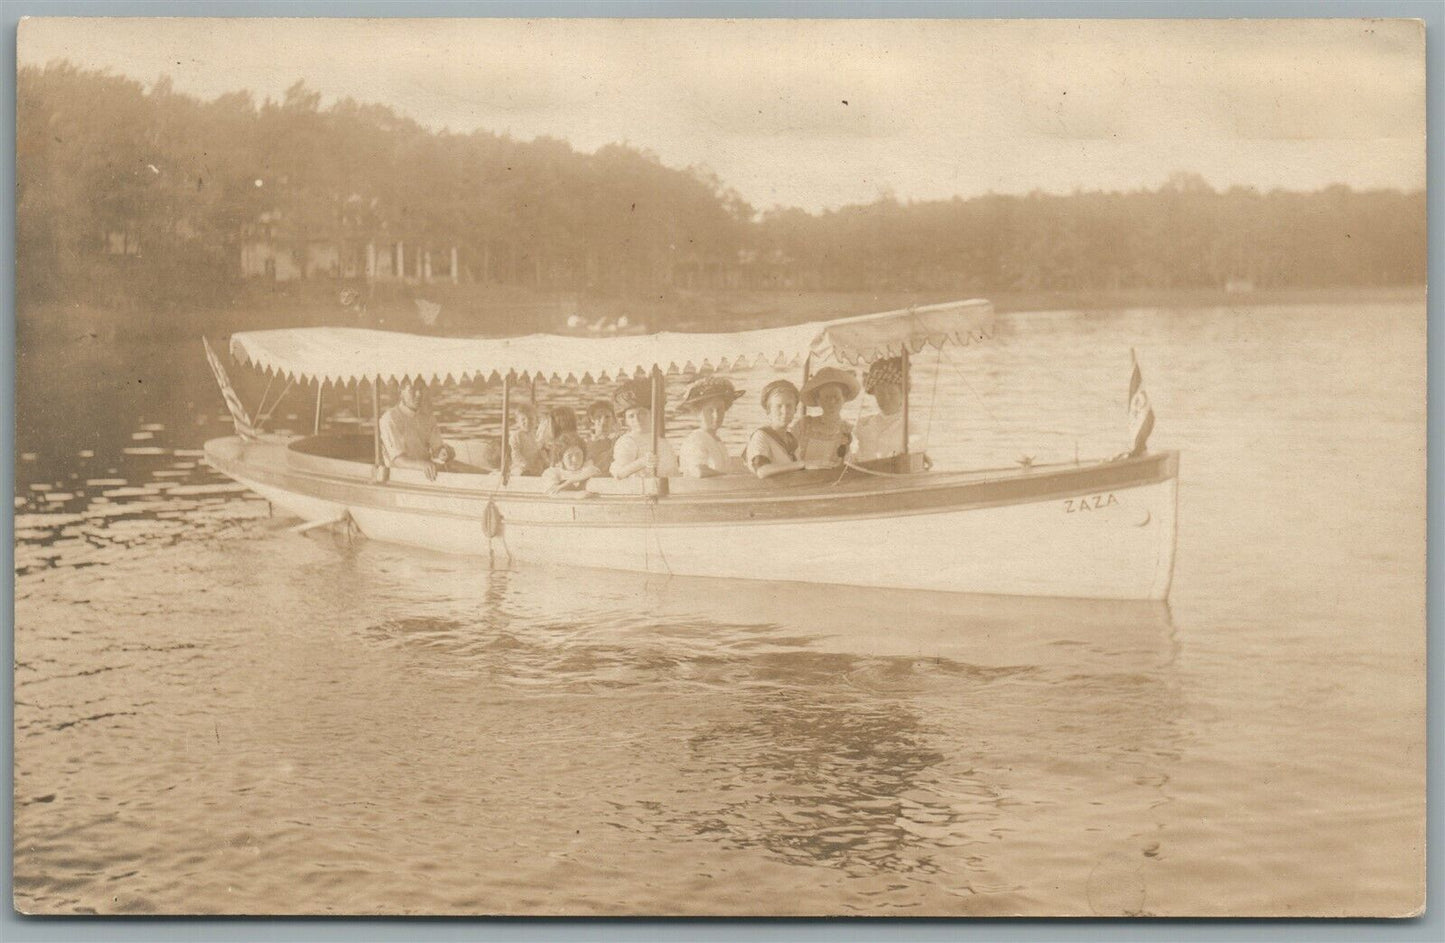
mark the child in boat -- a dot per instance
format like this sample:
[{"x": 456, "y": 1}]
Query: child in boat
[
  {"x": 632, "y": 452},
  {"x": 880, "y": 435},
  {"x": 823, "y": 440},
  {"x": 524, "y": 453},
  {"x": 772, "y": 449},
  {"x": 570, "y": 469},
  {"x": 599, "y": 445},
  {"x": 702, "y": 454}
]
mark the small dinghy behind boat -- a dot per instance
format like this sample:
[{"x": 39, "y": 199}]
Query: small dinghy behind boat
[{"x": 891, "y": 523}]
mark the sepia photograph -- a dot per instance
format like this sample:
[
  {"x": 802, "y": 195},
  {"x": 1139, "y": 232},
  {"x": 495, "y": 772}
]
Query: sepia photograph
[{"x": 720, "y": 468}]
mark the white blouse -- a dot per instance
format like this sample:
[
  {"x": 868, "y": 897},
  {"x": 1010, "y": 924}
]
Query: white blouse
[
  {"x": 627, "y": 449},
  {"x": 880, "y": 436},
  {"x": 701, "y": 449}
]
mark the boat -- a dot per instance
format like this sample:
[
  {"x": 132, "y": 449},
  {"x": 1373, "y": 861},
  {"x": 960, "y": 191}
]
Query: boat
[{"x": 1101, "y": 529}]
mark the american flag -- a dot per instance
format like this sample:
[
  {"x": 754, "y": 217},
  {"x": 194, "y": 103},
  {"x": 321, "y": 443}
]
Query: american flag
[
  {"x": 1141, "y": 414},
  {"x": 244, "y": 427}
]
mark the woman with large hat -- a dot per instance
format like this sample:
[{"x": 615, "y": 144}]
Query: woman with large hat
[
  {"x": 823, "y": 440},
  {"x": 702, "y": 454},
  {"x": 880, "y": 435},
  {"x": 632, "y": 452}
]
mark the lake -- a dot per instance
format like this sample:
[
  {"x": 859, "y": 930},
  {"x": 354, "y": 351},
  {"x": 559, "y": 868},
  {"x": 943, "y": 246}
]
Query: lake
[{"x": 214, "y": 715}]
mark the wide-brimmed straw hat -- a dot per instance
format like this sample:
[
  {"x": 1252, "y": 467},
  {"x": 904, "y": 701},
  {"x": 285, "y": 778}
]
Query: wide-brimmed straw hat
[
  {"x": 777, "y": 386},
  {"x": 634, "y": 394},
  {"x": 885, "y": 372},
  {"x": 708, "y": 388},
  {"x": 823, "y": 377}
]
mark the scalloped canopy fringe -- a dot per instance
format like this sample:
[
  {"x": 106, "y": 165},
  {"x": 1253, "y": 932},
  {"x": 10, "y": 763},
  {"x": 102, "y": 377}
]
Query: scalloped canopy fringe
[{"x": 339, "y": 355}]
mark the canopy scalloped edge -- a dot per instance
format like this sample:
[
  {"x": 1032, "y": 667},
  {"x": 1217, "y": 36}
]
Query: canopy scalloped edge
[{"x": 338, "y": 356}]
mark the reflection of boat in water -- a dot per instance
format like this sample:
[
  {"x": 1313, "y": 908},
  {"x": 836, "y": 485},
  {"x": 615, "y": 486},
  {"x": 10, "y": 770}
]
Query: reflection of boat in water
[
  {"x": 1101, "y": 529},
  {"x": 888, "y": 735},
  {"x": 987, "y": 632}
]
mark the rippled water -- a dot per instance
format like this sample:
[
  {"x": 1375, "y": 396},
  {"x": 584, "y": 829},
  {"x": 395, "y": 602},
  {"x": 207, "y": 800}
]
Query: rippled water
[{"x": 214, "y": 715}]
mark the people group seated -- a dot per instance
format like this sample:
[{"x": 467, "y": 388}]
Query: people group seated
[
  {"x": 790, "y": 439},
  {"x": 632, "y": 453},
  {"x": 409, "y": 434},
  {"x": 703, "y": 454}
]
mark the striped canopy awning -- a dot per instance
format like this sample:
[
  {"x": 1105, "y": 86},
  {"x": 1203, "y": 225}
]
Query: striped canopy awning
[{"x": 345, "y": 355}]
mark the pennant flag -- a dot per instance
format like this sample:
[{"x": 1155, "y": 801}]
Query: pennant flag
[
  {"x": 244, "y": 427},
  {"x": 1141, "y": 414}
]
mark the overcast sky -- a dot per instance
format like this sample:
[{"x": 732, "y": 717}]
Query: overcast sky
[{"x": 823, "y": 113}]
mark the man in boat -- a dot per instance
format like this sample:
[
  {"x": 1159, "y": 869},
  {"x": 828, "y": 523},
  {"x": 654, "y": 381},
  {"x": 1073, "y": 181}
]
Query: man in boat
[
  {"x": 632, "y": 453},
  {"x": 880, "y": 435},
  {"x": 409, "y": 434}
]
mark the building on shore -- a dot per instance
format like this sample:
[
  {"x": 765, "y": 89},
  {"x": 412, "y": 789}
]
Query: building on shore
[{"x": 270, "y": 250}]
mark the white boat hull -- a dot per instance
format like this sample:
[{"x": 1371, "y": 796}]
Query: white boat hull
[
  {"x": 1118, "y": 551},
  {"x": 1116, "y": 542}
]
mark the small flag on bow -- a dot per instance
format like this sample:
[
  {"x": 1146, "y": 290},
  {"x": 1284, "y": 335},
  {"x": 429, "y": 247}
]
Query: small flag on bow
[
  {"x": 1141, "y": 414},
  {"x": 244, "y": 427}
]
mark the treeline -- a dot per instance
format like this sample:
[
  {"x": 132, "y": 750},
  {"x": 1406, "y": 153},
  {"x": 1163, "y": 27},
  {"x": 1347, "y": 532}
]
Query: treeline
[
  {"x": 125, "y": 190},
  {"x": 1182, "y": 235}
]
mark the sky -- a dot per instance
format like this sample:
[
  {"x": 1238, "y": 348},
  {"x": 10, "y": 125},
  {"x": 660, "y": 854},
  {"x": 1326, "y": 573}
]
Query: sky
[{"x": 819, "y": 114}]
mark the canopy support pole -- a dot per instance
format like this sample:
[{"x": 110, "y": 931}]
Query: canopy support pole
[
  {"x": 376, "y": 422},
  {"x": 905, "y": 401},
  {"x": 320, "y": 388},
  {"x": 506, "y": 426},
  {"x": 658, "y": 419},
  {"x": 807, "y": 375}
]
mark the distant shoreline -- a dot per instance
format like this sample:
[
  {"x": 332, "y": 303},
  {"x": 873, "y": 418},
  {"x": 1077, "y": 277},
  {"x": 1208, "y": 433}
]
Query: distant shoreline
[{"x": 474, "y": 310}]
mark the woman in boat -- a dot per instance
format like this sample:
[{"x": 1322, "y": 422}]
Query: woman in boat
[
  {"x": 570, "y": 469},
  {"x": 632, "y": 452},
  {"x": 880, "y": 435},
  {"x": 603, "y": 433},
  {"x": 524, "y": 454},
  {"x": 823, "y": 440},
  {"x": 560, "y": 421},
  {"x": 702, "y": 454},
  {"x": 772, "y": 449}
]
